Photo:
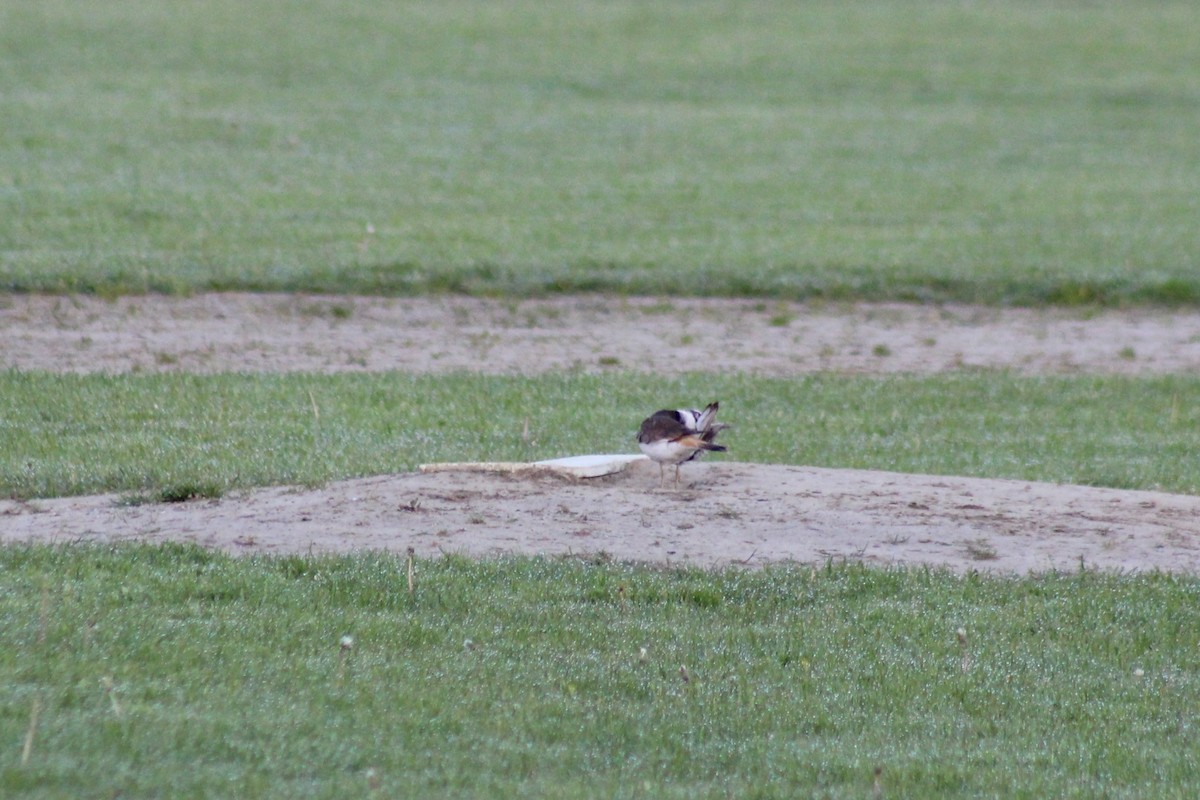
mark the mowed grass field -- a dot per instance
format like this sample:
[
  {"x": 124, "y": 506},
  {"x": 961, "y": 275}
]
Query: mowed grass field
[
  {"x": 172, "y": 671},
  {"x": 996, "y": 151},
  {"x": 179, "y": 434}
]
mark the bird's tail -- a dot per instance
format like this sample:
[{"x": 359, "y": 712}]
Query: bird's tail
[{"x": 701, "y": 443}]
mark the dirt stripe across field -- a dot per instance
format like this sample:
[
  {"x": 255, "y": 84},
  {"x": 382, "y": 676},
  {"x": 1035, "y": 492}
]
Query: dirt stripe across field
[{"x": 272, "y": 333}]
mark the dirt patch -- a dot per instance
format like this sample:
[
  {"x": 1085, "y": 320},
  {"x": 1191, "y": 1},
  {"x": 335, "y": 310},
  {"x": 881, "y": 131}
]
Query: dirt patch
[
  {"x": 272, "y": 333},
  {"x": 726, "y": 513},
  {"x": 723, "y": 514}
]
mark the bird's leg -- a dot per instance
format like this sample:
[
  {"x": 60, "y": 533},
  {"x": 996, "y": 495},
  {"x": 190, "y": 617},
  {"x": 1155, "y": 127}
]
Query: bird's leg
[
  {"x": 662, "y": 477},
  {"x": 677, "y": 475}
]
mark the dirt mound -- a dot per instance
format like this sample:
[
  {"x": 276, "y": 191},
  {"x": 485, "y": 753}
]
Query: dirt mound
[{"x": 723, "y": 514}]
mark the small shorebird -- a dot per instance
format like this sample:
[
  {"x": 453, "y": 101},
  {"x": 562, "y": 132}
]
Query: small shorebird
[{"x": 675, "y": 436}]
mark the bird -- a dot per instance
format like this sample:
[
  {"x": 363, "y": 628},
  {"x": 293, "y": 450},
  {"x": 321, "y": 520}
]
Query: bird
[{"x": 676, "y": 436}]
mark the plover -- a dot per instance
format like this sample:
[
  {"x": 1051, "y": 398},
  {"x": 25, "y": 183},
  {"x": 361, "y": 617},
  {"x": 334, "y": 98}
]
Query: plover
[{"x": 676, "y": 436}]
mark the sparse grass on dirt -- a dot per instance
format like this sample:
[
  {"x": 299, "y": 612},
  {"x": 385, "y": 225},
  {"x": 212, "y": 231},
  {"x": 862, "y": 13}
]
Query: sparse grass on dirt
[
  {"x": 985, "y": 152},
  {"x": 176, "y": 671},
  {"x": 156, "y": 436}
]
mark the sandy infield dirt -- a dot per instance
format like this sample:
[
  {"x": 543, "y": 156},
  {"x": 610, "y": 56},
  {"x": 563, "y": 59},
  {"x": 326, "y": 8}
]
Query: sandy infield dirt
[
  {"x": 724, "y": 513},
  {"x": 269, "y": 333}
]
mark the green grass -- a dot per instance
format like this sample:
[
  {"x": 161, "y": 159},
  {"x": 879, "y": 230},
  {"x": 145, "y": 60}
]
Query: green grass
[
  {"x": 178, "y": 435},
  {"x": 1010, "y": 151},
  {"x": 173, "y": 671}
]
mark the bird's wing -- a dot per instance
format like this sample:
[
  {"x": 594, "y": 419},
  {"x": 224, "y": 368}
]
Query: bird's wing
[{"x": 706, "y": 418}]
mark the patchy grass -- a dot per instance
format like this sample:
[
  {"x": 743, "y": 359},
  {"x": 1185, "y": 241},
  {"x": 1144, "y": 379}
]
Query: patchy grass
[
  {"x": 988, "y": 152},
  {"x": 176, "y": 671},
  {"x": 171, "y": 436}
]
